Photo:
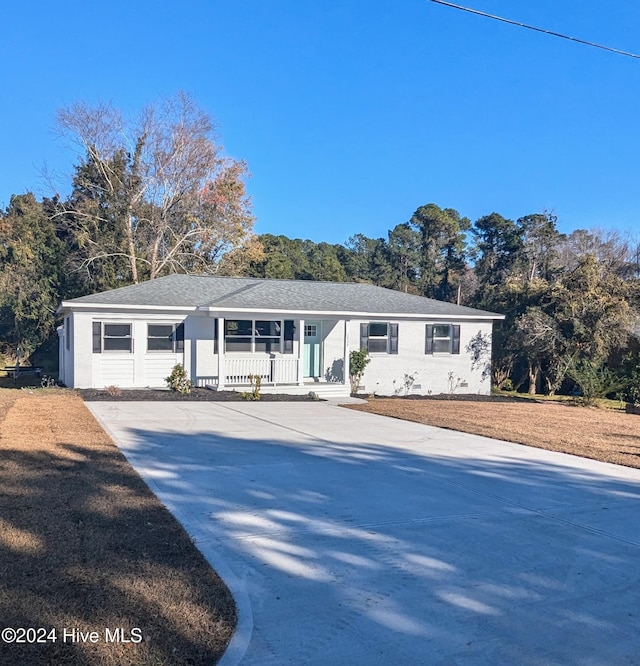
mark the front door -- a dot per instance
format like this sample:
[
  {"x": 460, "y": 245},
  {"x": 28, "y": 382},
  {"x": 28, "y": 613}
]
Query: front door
[{"x": 312, "y": 344}]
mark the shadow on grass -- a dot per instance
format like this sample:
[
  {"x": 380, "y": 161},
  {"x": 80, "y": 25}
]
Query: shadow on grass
[
  {"x": 85, "y": 545},
  {"x": 502, "y": 560}
]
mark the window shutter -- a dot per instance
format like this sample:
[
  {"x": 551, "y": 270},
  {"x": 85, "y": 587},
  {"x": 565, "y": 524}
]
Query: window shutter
[
  {"x": 393, "y": 338},
  {"x": 180, "y": 338},
  {"x": 288, "y": 336},
  {"x": 428, "y": 349},
  {"x": 455, "y": 339},
  {"x": 364, "y": 336},
  {"x": 68, "y": 331},
  {"x": 215, "y": 336},
  {"x": 97, "y": 337}
]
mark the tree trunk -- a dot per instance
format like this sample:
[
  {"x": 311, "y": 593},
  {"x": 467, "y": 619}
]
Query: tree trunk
[
  {"x": 132, "y": 249},
  {"x": 153, "y": 268},
  {"x": 533, "y": 377}
]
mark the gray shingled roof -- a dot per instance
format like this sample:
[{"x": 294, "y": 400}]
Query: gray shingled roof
[{"x": 203, "y": 291}]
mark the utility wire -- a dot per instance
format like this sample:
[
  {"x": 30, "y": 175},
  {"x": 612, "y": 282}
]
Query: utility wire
[{"x": 532, "y": 27}]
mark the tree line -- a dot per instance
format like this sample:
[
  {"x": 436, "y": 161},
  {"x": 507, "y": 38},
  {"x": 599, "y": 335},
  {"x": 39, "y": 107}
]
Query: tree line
[
  {"x": 154, "y": 195},
  {"x": 571, "y": 302}
]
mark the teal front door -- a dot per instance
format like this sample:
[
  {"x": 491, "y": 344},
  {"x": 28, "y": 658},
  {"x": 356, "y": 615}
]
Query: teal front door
[{"x": 312, "y": 345}]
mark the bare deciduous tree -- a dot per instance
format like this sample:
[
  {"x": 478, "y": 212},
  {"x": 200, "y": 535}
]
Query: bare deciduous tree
[{"x": 156, "y": 191}]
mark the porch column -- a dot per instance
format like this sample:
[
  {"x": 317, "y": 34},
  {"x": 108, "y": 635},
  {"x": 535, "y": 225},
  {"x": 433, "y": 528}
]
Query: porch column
[
  {"x": 300, "y": 324},
  {"x": 345, "y": 363},
  {"x": 221, "y": 368}
]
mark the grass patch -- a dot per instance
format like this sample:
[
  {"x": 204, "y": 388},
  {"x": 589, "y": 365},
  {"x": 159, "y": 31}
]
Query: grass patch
[
  {"x": 603, "y": 403},
  {"x": 85, "y": 544},
  {"x": 602, "y": 434}
]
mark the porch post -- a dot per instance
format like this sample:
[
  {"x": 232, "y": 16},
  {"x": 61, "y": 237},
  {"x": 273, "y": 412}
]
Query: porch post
[
  {"x": 300, "y": 352},
  {"x": 221, "y": 368},
  {"x": 345, "y": 363}
]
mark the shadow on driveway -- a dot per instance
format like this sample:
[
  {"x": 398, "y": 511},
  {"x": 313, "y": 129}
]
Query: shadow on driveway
[{"x": 433, "y": 548}]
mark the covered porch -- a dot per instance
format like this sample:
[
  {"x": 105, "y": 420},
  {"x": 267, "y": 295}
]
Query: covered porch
[{"x": 288, "y": 355}]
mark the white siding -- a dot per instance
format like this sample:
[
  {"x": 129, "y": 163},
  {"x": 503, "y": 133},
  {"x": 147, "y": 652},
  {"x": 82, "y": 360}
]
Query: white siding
[
  {"x": 204, "y": 363},
  {"x": 385, "y": 374},
  {"x": 83, "y": 373},
  {"x": 333, "y": 356},
  {"x": 139, "y": 369},
  {"x": 114, "y": 370},
  {"x": 157, "y": 367}
]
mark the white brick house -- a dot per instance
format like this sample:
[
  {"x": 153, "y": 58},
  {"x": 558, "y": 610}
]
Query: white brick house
[{"x": 297, "y": 335}]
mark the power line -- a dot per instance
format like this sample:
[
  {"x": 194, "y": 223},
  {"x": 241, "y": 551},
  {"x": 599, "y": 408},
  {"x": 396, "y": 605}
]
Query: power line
[{"x": 532, "y": 27}]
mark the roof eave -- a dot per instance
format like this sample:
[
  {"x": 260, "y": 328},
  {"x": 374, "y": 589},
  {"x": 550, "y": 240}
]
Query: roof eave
[
  {"x": 84, "y": 305},
  {"x": 355, "y": 314}
]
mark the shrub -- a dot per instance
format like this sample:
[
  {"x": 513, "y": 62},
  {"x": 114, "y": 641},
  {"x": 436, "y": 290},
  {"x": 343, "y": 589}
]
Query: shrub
[
  {"x": 178, "y": 380},
  {"x": 113, "y": 390},
  {"x": 46, "y": 381},
  {"x": 358, "y": 361},
  {"x": 254, "y": 394},
  {"x": 632, "y": 394},
  {"x": 595, "y": 380}
]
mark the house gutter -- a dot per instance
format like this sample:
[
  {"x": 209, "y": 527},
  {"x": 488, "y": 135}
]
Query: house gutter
[{"x": 340, "y": 314}]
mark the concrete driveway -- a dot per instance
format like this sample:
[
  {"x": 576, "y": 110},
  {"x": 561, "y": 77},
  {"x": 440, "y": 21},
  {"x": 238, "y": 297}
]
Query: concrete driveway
[{"x": 350, "y": 538}]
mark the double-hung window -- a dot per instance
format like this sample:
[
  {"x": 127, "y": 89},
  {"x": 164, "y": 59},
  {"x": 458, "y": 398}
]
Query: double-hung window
[
  {"x": 165, "y": 338},
  {"x": 442, "y": 339},
  {"x": 379, "y": 337},
  {"x": 257, "y": 335},
  {"x": 112, "y": 337}
]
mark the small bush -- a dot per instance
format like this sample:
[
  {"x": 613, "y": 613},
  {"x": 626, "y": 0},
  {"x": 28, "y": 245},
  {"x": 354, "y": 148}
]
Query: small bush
[
  {"x": 254, "y": 394},
  {"x": 113, "y": 391},
  {"x": 178, "y": 380},
  {"x": 358, "y": 361}
]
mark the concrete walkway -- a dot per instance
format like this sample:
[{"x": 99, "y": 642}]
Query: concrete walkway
[{"x": 350, "y": 538}]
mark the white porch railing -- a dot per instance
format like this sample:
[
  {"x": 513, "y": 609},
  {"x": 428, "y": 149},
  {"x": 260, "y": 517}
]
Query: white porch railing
[{"x": 270, "y": 370}]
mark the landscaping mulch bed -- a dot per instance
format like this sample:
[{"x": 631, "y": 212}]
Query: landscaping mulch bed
[
  {"x": 197, "y": 394},
  {"x": 86, "y": 546},
  {"x": 464, "y": 397},
  {"x": 603, "y": 434}
]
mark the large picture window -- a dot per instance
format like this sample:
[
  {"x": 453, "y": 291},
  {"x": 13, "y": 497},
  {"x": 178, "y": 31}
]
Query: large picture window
[
  {"x": 379, "y": 337},
  {"x": 112, "y": 337},
  {"x": 442, "y": 339},
  {"x": 165, "y": 338},
  {"x": 254, "y": 335}
]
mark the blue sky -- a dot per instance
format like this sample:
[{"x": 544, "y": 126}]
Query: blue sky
[{"x": 352, "y": 114}]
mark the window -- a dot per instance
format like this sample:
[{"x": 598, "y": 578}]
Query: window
[
  {"x": 68, "y": 331},
  {"x": 165, "y": 338},
  {"x": 310, "y": 330},
  {"x": 238, "y": 335},
  {"x": 442, "y": 339},
  {"x": 255, "y": 335},
  {"x": 379, "y": 338},
  {"x": 112, "y": 337},
  {"x": 267, "y": 336}
]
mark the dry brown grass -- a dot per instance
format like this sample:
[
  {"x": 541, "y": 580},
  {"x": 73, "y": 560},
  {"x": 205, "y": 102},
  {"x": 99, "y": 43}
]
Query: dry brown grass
[
  {"x": 602, "y": 434},
  {"x": 85, "y": 544}
]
